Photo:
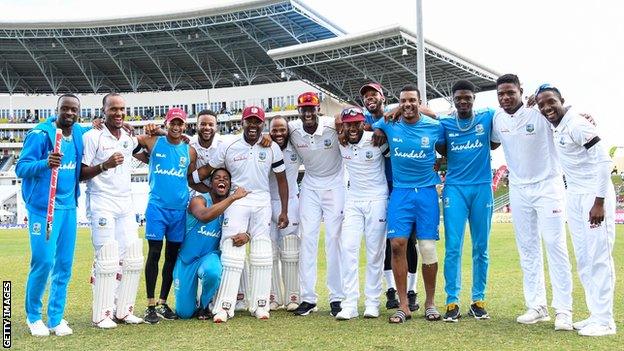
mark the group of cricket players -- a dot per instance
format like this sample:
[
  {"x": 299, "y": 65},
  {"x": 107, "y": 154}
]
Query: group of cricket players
[{"x": 370, "y": 172}]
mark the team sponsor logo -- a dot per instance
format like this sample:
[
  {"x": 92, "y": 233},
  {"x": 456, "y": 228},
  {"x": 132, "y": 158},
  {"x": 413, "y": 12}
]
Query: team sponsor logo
[
  {"x": 479, "y": 129},
  {"x": 159, "y": 155},
  {"x": 369, "y": 155},
  {"x": 102, "y": 222},
  {"x": 36, "y": 228},
  {"x": 293, "y": 157},
  {"x": 327, "y": 143},
  {"x": 240, "y": 158},
  {"x": 411, "y": 154},
  {"x": 211, "y": 233},
  {"x": 262, "y": 155},
  {"x": 225, "y": 221},
  {"x": 71, "y": 165},
  {"x": 170, "y": 172},
  {"x": 182, "y": 161},
  {"x": 504, "y": 130},
  {"x": 302, "y": 145},
  {"x": 397, "y": 140},
  {"x": 447, "y": 202},
  {"x": 530, "y": 128},
  {"x": 468, "y": 145},
  {"x": 424, "y": 142}
]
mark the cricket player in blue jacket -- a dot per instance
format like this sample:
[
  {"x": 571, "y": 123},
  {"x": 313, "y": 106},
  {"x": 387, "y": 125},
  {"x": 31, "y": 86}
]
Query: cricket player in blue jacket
[
  {"x": 51, "y": 257},
  {"x": 467, "y": 197},
  {"x": 199, "y": 255},
  {"x": 165, "y": 214},
  {"x": 414, "y": 199}
]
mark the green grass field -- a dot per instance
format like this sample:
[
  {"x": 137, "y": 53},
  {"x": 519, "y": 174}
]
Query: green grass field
[{"x": 317, "y": 331}]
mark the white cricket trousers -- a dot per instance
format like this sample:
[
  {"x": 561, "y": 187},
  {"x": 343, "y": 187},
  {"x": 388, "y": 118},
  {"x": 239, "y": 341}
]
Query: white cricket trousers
[
  {"x": 593, "y": 249},
  {"x": 111, "y": 220},
  {"x": 368, "y": 218},
  {"x": 315, "y": 205},
  {"x": 538, "y": 214}
]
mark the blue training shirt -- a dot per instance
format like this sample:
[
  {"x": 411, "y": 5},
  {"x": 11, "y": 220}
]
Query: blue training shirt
[
  {"x": 168, "y": 166},
  {"x": 66, "y": 181},
  {"x": 412, "y": 151},
  {"x": 201, "y": 238},
  {"x": 468, "y": 148}
]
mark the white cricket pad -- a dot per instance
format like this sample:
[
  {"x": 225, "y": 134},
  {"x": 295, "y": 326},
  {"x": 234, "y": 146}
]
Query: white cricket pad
[
  {"x": 232, "y": 260},
  {"x": 131, "y": 267},
  {"x": 105, "y": 272},
  {"x": 290, "y": 267},
  {"x": 277, "y": 293},
  {"x": 243, "y": 289},
  {"x": 261, "y": 261}
]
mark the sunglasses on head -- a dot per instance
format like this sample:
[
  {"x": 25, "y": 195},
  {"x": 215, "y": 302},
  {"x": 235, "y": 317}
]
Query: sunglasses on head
[
  {"x": 351, "y": 112},
  {"x": 309, "y": 99}
]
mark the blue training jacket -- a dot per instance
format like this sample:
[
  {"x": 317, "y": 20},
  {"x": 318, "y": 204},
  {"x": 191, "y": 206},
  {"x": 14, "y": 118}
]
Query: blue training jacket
[{"x": 32, "y": 165}]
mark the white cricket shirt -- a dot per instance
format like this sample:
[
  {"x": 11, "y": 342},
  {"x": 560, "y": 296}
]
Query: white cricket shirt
[
  {"x": 320, "y": 154},
  {"x": 526, "y": 137},
  {"x": 205, "y": 154},
  {"x": 99, "y": 146},
  {"x": 292, "y": 161},
  {"x": 250, "y": 166},
  {"x": 580, "y": 166},
  {"x": 365, "y": 165}
]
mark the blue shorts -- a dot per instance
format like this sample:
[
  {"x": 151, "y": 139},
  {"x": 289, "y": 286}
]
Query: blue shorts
[
  {"x": 164, "y": 222},
  {"x": 412, "y": 210}
]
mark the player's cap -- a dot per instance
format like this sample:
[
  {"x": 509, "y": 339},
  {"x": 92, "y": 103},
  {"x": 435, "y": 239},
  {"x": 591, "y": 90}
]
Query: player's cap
[
  {"x": 174, "y": 113},
  {"x": 308, "y": 99},
  {"x": 352, "y": 114},
  {"x": 371, "y": 86},
  {"x": 546, "y": 87},
  {"x": 253, "y": 111}
]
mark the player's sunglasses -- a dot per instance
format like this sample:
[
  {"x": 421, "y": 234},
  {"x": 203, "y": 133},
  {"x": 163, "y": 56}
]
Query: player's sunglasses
[
  {"x": 546, "y": 86},
  {"x": 351, "y": 111},
  {"x": 306, "y": 99}
]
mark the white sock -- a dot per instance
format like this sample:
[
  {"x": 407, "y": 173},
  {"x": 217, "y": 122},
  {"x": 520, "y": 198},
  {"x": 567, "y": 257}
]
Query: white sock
[
  {"x": 389, "y": 279},
  {"x": 411, "y": 281}
]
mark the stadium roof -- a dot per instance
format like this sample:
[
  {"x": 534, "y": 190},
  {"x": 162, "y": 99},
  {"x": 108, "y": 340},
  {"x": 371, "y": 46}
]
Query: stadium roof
[
  {"x": 341, "y": 65},
  {"x": 218, "y": 46}
]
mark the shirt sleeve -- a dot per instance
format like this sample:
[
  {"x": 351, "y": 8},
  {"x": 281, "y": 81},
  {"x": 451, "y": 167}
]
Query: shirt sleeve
[
  {"x": 90, "y": 148},
  {"x": 584, "y": 133},
  {"x": 380, "y": 124},
  {"x": 277, "y": 163},
  {"x": 218, "y": 158},
  {"x": 494, "y": 136},
  {"x": 441, "y": 134}
]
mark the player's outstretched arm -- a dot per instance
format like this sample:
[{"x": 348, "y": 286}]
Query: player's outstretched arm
[
  {"x": 198, "y": 208},
  {"x": 282, "y": 187}
]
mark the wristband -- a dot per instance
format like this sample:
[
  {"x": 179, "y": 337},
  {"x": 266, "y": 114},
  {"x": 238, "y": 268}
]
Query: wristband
[
  {"x": 248, "y": 236},
  {"x": 102, "y": 169},
  {"x": 196, "y": 177}
]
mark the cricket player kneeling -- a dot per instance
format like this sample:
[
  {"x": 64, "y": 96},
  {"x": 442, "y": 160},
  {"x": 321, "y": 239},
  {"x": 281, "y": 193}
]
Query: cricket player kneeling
[{"x": 199, "y": 254}]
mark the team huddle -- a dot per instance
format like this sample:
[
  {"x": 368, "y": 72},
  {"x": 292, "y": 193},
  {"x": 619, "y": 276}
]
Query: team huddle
[{"x": 369, "y": 172}]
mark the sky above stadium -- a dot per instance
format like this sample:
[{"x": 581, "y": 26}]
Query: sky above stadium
[{"x": 575, "y": 45}]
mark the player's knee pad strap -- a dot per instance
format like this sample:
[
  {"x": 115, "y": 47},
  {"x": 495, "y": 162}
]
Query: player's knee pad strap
[{"x": 428, "y": 251}]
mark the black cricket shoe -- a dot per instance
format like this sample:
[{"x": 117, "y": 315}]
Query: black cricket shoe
[
  {"x": 478, "y": 311},
  {"x": 392, "y": 301},
  {"x": 335, "y": 308},
  {"x": 305, "y": 308},
  {"x": 165, "y": 312},
  {"x": 412, "y": 301},
  {"x": 151, "y": 316},
  {"x": 452, "y": 313},
  {"x": 204, "y": 314}
]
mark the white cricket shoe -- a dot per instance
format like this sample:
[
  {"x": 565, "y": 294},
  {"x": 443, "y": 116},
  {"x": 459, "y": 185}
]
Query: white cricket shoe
[
  {"x": 261, "y": 313},
  {"x": 595, "y": 329},
  {"x": 132, "y": 319},
  {"x": 62, "y": 329},
  {"x": 533, "y": 316},
  {"x": 38, "y": 328},
  {"x": 220, "y": 317},
  {"x": 274, "y": 306},
  {"x": 347, "y": 313},
  {"x": 291, "y": 306},
  {"x": 106, "y": 323},
  {"x": 563, "y": 321},
  {"x": 241, "y": 305},
  {"x": 371, "y": 312},
  {"x": 581, "y": 324}
]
